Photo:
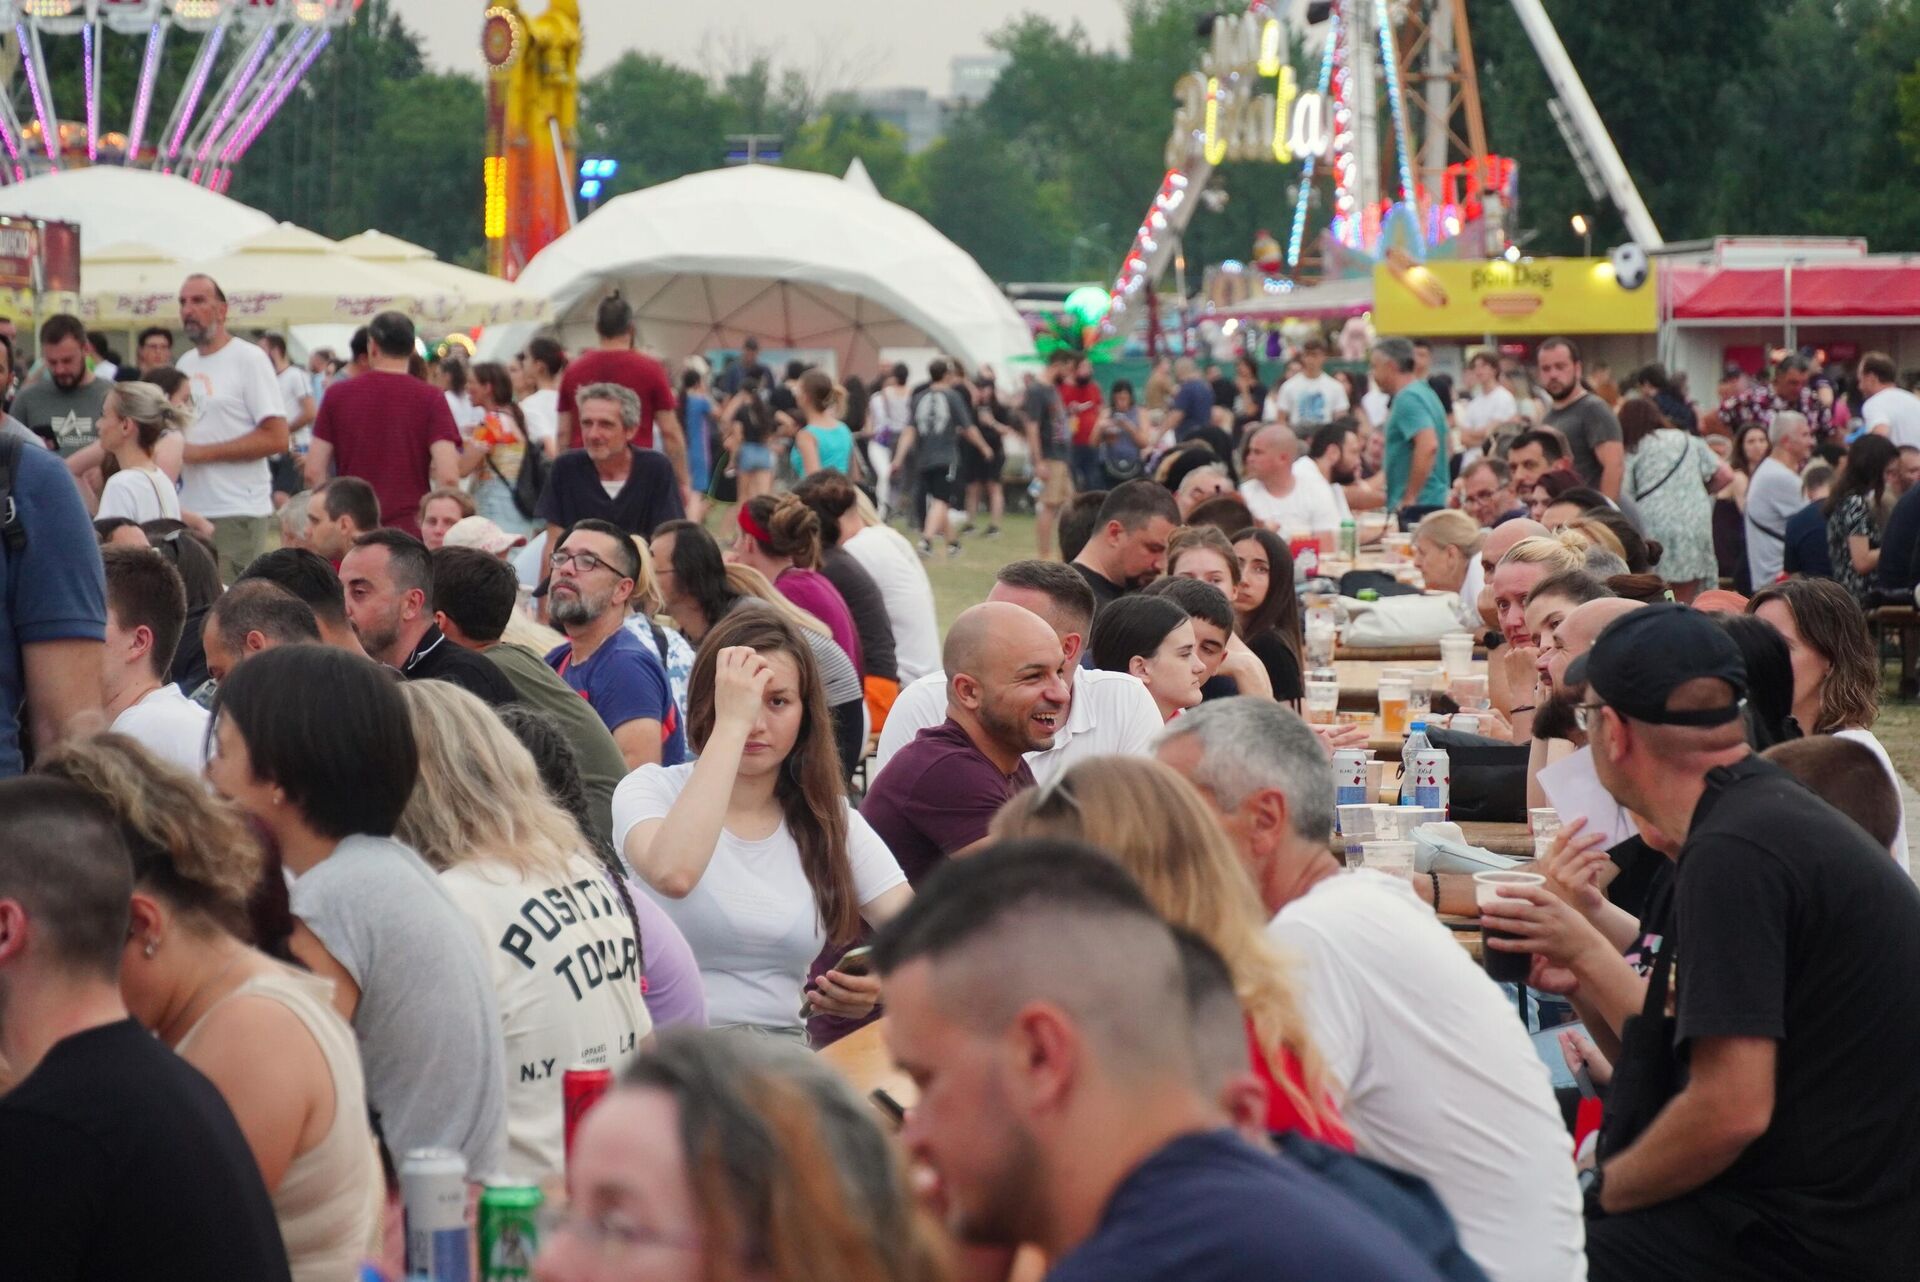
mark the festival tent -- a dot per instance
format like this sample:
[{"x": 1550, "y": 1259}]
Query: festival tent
[
  {"x": 289, "y": 276},
  {"x": 800, "y": 261},
  {"x": 111, "y": 204},
  {"x": 449, "y": 297}
]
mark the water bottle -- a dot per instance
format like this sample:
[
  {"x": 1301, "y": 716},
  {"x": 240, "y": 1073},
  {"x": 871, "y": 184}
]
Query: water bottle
[{"x": 1417, "y": 742}]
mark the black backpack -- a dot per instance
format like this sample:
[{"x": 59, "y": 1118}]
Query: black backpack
[{"x": 532, "y": 481}]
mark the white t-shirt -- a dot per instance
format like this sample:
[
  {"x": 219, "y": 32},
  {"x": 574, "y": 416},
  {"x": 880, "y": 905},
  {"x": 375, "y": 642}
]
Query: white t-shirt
[
  {"x": 234, "y": 392},
  {"x": 541, "y": 409},
  {"x": 895, "y": 567},
  {"x": 1307, "y": 402},
  {"x": 466, "y": 415},
  {"x": 1866, "y": 737},
  {"x": 1111, "y": 715},
  {"x": 1469, "y": 613},
  {"x": 751, "y": 918},
  {"x": 1305, "y": 507},
  {"x": 1487, "y": 409},
  {"x": 1374, "y": 403},
  {"x": 1441, "y": 1079},
  {"x": 295, "y": 386},
  {"x": 139, "y": 494},
  {"x": 1899, "y": 409},
  {"x": 566, "y": 969},
  {"x": 169, "y": 725},
  {"x": 1307, "y": 472}
]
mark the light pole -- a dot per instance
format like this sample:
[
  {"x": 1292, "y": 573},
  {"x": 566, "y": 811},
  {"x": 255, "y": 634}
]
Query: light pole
[
  {"x": 595, "y": 173},
  {"x": 1584, "y": 230}
]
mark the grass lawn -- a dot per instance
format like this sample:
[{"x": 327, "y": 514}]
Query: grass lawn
[{"x": 1898, "y": 730}]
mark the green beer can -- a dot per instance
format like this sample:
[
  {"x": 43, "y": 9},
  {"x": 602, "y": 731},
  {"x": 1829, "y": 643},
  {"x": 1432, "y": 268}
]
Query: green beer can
[{"x": 509, "y": 1230}]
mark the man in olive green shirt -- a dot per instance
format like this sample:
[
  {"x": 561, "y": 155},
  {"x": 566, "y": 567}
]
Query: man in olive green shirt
[{"x": 474, "y": 595}]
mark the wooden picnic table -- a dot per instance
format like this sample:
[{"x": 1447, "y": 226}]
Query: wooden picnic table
[
  {"x": 1360, "y": 678},
  {"x": 1514, "y": 840}
]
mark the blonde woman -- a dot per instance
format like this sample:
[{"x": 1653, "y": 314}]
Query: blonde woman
[
  {"x": 134, "y": 418},
  {"x": 1446, "y": 551},
  {"x": 1160, "y": 830},
  {"x": 266, "y": 1035},
  {"x": 560, "y": 935},
  {"x": 1511, "y": 671}
]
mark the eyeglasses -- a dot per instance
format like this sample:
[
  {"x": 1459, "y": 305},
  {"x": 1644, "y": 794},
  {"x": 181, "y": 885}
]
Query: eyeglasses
[
  {"x": 1587, "y": 715},
  {"x": 586, "y": 561},
  {"x": 610, "y": 1235}
]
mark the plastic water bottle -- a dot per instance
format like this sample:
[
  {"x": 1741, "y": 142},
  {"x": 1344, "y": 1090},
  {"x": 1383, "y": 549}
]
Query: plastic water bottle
[{"x": 1417, "y": 742}]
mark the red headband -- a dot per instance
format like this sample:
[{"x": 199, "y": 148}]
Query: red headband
[{"x": 753, "y": 527}]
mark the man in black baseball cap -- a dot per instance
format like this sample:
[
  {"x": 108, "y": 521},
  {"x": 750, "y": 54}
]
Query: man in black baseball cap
[{"x": 1764, "y": 1119}]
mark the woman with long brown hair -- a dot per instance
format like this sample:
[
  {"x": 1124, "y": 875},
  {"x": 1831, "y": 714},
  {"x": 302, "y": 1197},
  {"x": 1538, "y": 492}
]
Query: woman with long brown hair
[
  {"x": 1836, "y": 670},
  {"x": 1268, "y": 609},
  {"x": 498, "y": 448},
  {"x": 753, "y": 849},
  {"x": 658, "y": 1169},
  {"x": 265, "y": 1034},
  {"x": 1157, "y": 827}
]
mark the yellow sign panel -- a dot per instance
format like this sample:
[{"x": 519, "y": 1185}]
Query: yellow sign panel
[{"x": 1538, "y": 296}]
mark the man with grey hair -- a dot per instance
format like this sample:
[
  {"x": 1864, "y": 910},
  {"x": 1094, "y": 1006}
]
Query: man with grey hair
[
  {"x": 1439, "y": 1077},
  {"x": 610, "y": 479},
  {"x": 1416, "y": 435},
  {"x": 1773, "y": 495}
]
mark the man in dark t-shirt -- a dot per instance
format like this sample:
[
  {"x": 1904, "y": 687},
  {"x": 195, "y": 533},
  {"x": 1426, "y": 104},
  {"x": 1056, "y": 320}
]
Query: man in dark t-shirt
[
  {"x": 118, "y": 1159},
  {"x": 1128, "y": 549},
  {"x": 615, "y": 360},
  {"x": 1765, "y": 1116},
  {"x": 611, "y": 479},
  {"x": 388, "y": 428},
  {"x": 1040, "y": 1003},
  {"x": 388, "y": 577},
  {"x": 1006, "y": 696}
]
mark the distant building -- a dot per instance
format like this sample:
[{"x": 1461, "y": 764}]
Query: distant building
[
  {"x": 974, "y": 76},
  {"x": 914, "y": 112}
]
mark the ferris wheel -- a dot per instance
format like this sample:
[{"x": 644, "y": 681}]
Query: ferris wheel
[{"x": 269, "y": 45}]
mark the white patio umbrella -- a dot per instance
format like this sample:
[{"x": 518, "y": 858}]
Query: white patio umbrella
[
  {"x": 130, "y": 284},
  {"x": 449, "y": 296},
  {"x": 290, "y": 276}
]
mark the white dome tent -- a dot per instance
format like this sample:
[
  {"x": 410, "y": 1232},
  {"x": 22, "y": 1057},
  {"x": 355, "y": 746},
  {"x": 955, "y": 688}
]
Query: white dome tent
[
  {"x": 801, "y": 261},
  {"x": 113, "y": 206}
]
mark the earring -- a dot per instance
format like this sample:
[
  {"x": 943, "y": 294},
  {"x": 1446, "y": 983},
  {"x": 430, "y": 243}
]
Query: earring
[
  {"x": 153, "y": 946},
  {"x": 278, "y": 796}
]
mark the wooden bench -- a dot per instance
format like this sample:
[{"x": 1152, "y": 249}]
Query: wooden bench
[{"x": 1900, "y": 626}]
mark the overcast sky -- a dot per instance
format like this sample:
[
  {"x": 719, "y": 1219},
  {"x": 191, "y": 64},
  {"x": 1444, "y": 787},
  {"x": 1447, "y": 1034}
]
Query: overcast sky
[{"x": 863, "y": 43}]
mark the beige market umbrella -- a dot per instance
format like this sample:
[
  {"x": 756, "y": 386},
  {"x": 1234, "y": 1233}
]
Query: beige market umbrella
[
  {"x": 290, "y": 276},
  {"x": 130, "y": 284},
  {"x": 450, "y": 297}
]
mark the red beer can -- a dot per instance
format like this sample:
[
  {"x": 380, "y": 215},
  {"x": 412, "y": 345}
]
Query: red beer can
[{"x": 580, "y": 1089}]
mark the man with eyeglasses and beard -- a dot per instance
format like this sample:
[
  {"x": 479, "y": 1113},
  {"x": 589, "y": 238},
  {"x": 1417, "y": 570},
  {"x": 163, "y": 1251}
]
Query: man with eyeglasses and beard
[{"x": 595, "y": 568}]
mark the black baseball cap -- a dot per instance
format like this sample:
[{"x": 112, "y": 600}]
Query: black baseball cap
[{"x": 1642, "y": 657}]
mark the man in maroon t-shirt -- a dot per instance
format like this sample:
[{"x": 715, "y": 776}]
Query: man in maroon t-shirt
[
  {"x": 1007, "y": 695},
  {"x": 616, "y": 361},
  {"x": 388, "y": 428}
]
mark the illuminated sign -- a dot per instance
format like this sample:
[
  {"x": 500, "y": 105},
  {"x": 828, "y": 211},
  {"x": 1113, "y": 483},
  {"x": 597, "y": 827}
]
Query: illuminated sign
[
  {"x": 1245, "y": 103},
  {"x": 1443, "y": 298}
]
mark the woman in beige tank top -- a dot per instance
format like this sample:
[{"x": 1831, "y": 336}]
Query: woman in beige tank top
[{"x": 266, "y": 1035}]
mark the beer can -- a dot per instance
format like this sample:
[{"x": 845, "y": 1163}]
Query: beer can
[
  {"x": 581, "y": 1088},
  {"x": 1350, "y": 777},
  {"x": 433, "y": 1192},
  {"x": 1432, "y": 782},
  {"x": 509, "y": 1229}
]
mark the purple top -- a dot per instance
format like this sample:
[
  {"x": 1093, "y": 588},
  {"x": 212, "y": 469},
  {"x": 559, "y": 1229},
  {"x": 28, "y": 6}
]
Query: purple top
[
  {"x": 936, "y": 796},
  {"x": 673, "y": 993},
  {"x": 811, "y": 591}
]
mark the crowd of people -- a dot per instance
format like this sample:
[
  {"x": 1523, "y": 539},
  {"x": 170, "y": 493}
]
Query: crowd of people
[{"x": 400, "y": 737}]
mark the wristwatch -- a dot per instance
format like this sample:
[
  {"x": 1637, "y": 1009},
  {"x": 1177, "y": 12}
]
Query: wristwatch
[{"x": 1592, "y": 1181}]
